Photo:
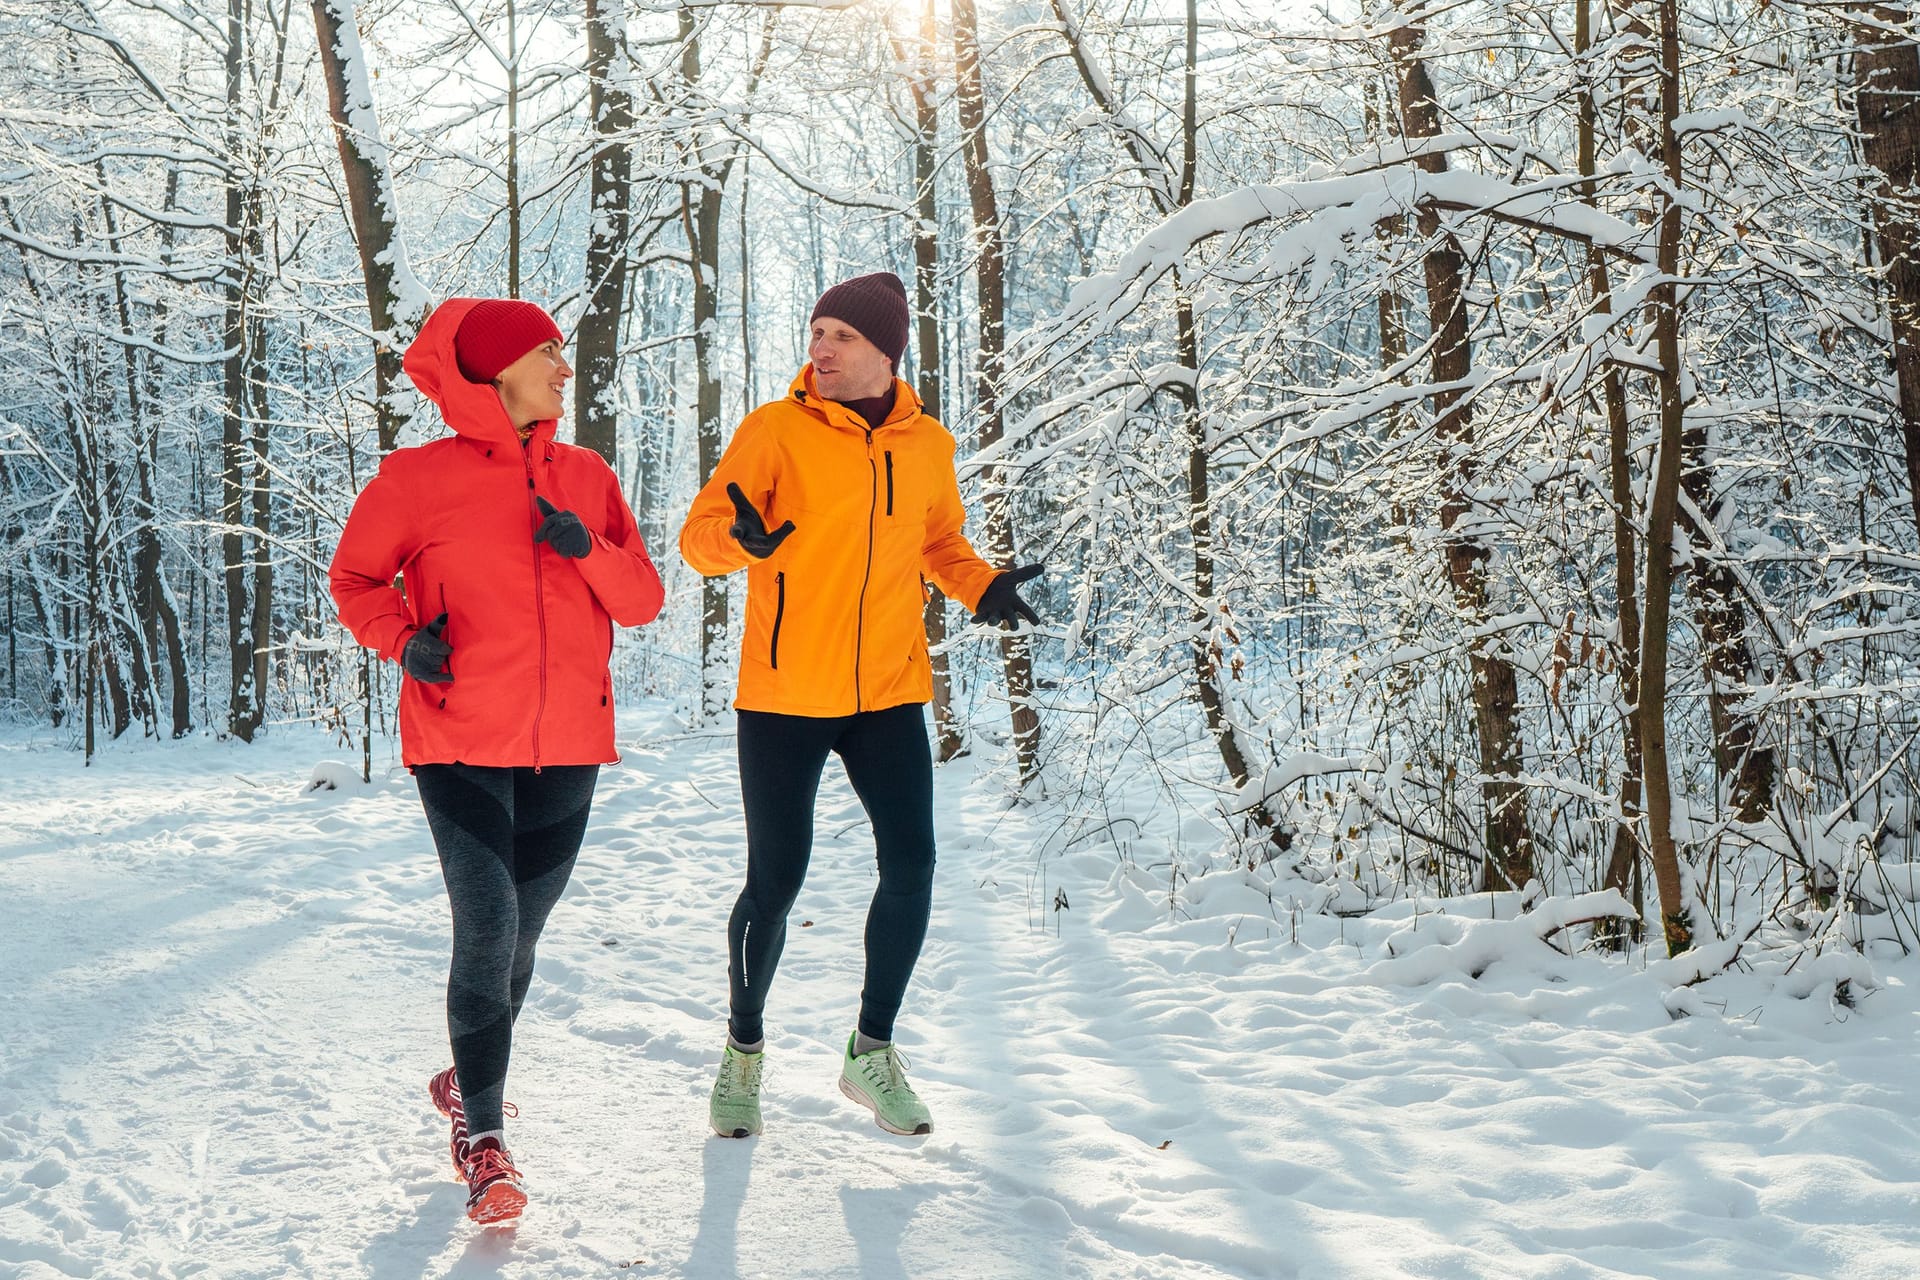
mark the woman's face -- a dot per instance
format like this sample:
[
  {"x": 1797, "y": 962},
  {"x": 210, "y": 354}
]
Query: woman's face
[{"x": 533, "y": 388}]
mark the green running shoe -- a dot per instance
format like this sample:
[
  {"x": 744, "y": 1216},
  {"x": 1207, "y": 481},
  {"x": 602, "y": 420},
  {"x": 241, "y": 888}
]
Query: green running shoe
[
  {"x": 878, "y": 1082},
  {"x": 735, "y": 1109}
]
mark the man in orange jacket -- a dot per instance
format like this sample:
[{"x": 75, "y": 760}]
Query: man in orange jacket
[{"x": 837, "y": 500}]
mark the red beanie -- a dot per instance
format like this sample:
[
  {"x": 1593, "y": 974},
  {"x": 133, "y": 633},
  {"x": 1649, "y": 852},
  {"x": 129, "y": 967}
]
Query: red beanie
[
  {"x": 875, "y": 305},
  {"x": 497, "y": 332}
]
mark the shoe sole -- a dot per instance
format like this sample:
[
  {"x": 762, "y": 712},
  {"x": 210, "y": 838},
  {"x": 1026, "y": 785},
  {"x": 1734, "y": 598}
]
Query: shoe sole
[
  {"x": 498, "y": 1205},
  {"x": 847, "y": 1087}
]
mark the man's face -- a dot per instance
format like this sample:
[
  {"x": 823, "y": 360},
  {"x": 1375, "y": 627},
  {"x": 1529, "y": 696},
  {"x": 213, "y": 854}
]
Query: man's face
[{"x": 845, "y": 365}]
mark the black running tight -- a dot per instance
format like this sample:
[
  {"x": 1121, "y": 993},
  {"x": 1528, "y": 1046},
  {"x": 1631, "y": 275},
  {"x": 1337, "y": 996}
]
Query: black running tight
[
  {"x": 890, "y": 765},
  {"x": 507, "y": 840}
]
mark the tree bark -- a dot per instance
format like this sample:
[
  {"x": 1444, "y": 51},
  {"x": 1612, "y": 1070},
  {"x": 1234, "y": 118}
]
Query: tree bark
[
  {"x": 1496, "y": 696},
  {"x": 1886, "y": 65},
  {"x": 1663, "y": 506},
  {"x": 609, "y": 225},
  {"x": 1623, "y": 862},
  {"x": 990, "y": 276},
  {"x": 396, "y": 304},
  {"x": 701, "y": 199},
  {"x": 929, "y": 352}
]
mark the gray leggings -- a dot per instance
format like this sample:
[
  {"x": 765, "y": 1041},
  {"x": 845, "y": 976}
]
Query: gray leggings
[{"x": 507, "y": 840}]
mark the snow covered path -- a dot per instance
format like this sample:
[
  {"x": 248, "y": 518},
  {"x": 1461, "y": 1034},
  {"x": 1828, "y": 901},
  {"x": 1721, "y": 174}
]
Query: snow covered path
[{"x": 220, "y": 1004}]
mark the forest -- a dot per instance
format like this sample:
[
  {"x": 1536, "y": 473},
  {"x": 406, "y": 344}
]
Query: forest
[{"x": 1472, "y": 445}]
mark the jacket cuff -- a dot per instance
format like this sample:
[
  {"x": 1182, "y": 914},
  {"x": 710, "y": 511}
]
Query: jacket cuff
[{"x": 399, "y": 642}]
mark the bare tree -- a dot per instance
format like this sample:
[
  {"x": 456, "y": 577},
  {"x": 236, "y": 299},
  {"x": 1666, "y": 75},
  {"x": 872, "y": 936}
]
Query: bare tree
[
  {"x": 396, "y": 304},
  {"x": 1663, "y": 497},
  {"x": 1623, "y": 862},
  {"x": 1172, "y": 188},
  {"x": 609, "y": 229},
  {"x": 990, "y": 278},
  {"x": 708, "y": 158},
  {"x": 1496, "y": 694},
  {"x": 929, "y": 351},
  {"x": 1886, "y": 73},
  {"x": 245, "y": 478}
]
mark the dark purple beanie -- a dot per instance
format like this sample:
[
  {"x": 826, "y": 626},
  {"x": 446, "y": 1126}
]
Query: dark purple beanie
[{"x": 876, "y": 305}]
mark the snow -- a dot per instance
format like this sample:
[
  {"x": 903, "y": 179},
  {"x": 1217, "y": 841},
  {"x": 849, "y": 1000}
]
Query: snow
[{"x": 222, "y": 1004}]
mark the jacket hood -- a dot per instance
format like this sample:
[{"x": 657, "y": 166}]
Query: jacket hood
[
  {"x": 906, "y": 402},
  {"x": 472, "y": 409}
]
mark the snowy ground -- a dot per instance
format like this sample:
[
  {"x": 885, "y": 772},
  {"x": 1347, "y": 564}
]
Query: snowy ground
[{"x": 220, "y": 1003}]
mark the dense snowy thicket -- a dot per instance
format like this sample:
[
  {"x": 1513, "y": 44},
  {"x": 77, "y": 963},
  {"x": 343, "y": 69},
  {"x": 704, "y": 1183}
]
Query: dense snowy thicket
[{"x": 1469, "y": 443}]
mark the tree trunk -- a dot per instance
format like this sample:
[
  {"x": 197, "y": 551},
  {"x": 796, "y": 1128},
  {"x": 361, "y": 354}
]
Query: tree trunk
[
  {"x": 1663, "y": 506},
  {"x": 512, "y": 69},
  {"x": 396, "y": 304},
  {"x": 1509, "y": 840},
  {"x": 242, "y": 558},
  {"x": 596, "y": 337},
  {"x": 929, "y": 353},
  {"x": 1016, "y": 653},
  {"x": 700, "y": 212},
  {"x": 141, "y": 619},
  {"x": 1742, "y": 761},
  {"x": 1887, "y": 105},
  {"x": 1623, "y": 862}
]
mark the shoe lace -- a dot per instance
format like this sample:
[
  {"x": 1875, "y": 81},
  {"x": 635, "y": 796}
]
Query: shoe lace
[
  {"x": 888, "y": 1070},
  {"x": 487, "y": 1164},
  {"x": 743, "y": 1072}
]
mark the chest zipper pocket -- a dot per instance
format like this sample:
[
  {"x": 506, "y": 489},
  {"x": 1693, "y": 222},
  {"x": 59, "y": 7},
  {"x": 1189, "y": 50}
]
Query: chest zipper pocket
[
  {"x": 889, "y": 482},
  {"x": 443, "y": 636},
  {"x": 779, "y": 612}
]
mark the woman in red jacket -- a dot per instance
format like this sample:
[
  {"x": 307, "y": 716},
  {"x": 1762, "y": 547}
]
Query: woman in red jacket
[{"x": 518, "y": 555}]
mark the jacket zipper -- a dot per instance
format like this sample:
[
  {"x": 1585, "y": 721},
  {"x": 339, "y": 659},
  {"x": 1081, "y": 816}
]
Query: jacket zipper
[
  {"x": 779, "y": 612},
  {"x": 889, "y": 482},
  {"x": 539, "y": 605},
  {"x": 860, "y": 619}
]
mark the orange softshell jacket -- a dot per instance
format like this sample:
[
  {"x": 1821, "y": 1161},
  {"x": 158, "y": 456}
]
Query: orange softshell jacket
[
  {"x": 531, "y": 630},
  {"x": 834, "y": 621}
]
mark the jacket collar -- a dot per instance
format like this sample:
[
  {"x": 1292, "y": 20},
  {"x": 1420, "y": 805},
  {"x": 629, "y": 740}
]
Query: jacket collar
[
  {"x": 472, "y": 409},
  {"x": 803, "y": 392}
]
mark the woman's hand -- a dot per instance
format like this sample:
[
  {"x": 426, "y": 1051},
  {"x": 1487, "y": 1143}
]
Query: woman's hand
[
  {"x": 563, "y": 531},
  {"x": 425, "y": 655}
]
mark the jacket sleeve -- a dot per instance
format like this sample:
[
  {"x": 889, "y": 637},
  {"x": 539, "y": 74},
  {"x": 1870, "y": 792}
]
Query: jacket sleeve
[
  {"x": 946, "y": 555},
  {"x": 750, "y": 461},
  {"x": 377, "y": 540},
  {"x": 618, "y": 570}
]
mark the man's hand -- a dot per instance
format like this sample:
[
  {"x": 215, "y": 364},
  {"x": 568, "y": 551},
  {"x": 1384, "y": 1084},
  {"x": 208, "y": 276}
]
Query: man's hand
[
  {"x": 425, "y": 654},
  {"x": 750, "y": 530},
  {"x": 563, "y": 531},
  {"x": 1000, "y": 603}
]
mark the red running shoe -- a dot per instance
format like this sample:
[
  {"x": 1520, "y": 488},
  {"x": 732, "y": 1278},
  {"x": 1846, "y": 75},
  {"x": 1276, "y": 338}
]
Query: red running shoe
[
  {"x": 494, "y": 1194},
  {"x": 444, "y": 1090}
]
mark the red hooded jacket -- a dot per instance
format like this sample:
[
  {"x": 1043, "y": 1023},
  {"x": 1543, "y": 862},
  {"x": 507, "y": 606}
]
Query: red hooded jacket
[{"x": 531, "y": 630}]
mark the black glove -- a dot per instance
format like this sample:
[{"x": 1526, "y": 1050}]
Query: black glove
[
  {"x": 1000, "y": 603},
  {"x": 562, "y": 531},
  {"x": 425, "y": 654},
  {"x": 750, "y": 531}
]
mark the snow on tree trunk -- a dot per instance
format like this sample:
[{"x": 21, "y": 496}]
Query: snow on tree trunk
[{"x": 396, "y": 303}]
